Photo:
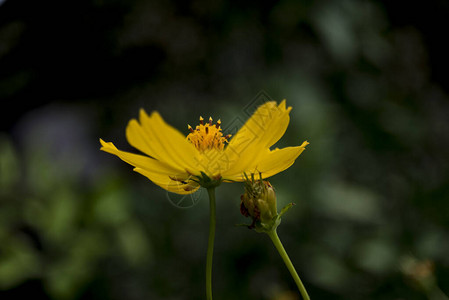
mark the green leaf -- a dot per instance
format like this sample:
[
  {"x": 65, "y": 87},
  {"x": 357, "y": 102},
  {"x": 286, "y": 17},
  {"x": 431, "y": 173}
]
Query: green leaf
[{"x": 285, "y": 209}]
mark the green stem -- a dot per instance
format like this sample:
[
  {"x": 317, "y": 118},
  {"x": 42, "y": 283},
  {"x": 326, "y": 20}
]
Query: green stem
[
  {"x": 210, "y": 244},
  {"x": 277, "y": 243}
]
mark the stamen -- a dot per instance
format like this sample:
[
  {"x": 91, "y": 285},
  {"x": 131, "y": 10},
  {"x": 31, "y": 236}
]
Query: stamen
[{"x": 207, "y": 136}]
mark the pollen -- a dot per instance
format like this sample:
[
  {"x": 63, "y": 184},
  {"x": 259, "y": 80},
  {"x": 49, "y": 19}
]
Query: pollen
[{"x": 207, "y": 136}]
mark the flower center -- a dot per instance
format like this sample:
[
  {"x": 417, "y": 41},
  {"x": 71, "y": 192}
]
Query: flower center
[{"x": 207, "y": 136}]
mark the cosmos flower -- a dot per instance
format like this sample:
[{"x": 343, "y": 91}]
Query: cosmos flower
[{"x": 181, "y": 164}]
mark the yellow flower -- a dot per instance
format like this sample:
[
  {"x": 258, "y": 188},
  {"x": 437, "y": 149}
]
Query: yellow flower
[{"x": 182, "y": 164}]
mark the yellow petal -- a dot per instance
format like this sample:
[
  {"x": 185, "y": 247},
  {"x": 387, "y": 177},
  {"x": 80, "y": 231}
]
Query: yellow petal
[
  {"x": 278, "y": 160},
  {"x": 277, "y": 125},
  {"x": 168, "y": 184},
  {"x": 271, "y": 162},
  {"x": 143, "y": 140},
  {"x": 210, "y": 162},
  {"x": 139, "y": 139},
  {"x": 144, "y": 162},
  {"x": 264, "y": 128},
  {"x": 158, "y": 172},
  {"x": 163, "y": 141}
]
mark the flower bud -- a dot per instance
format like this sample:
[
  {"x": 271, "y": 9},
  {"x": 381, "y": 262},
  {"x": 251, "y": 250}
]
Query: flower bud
[{"x": 259, "y": 201}]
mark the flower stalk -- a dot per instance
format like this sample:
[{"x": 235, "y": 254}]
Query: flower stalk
[
  {"x": 288, "y": 263},
  {"x": 259, "y": 203},
  {"x": 210, "y": 244}
]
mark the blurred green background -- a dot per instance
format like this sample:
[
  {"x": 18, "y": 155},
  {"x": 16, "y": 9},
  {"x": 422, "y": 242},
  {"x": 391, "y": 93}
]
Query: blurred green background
[{"x": 368, "y": 84}]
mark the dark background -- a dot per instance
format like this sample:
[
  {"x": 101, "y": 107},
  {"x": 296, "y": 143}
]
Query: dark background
[{"x": 368, "y": 86}]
